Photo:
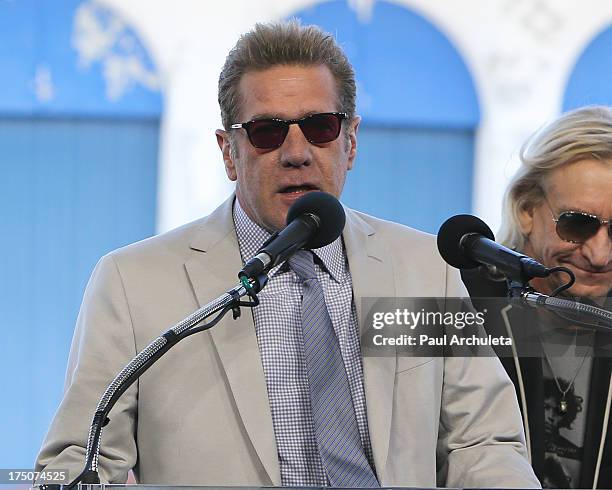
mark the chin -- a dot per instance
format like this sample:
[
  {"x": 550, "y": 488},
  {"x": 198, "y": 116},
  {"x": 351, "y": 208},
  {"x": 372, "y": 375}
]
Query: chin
[
  {"x": 590, "y": 289},
  {"x": 278, "y": 223},
  {"x": 592, "y": 292}
]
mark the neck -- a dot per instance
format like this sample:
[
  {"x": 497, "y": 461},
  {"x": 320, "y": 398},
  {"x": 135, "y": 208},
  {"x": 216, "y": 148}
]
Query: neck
[{"x": 540, "y": 284}]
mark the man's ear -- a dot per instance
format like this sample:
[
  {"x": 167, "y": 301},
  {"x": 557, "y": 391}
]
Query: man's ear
[
  {"x": 525, "y": 216},
  {"x": 223, "y": 140},
  {"x": 353, "y": 140}
]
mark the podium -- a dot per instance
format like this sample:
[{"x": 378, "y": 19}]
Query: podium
[{"x": 102, "y": 486}]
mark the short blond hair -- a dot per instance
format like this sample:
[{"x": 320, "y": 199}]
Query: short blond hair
[{"x": 584, "y": 133}]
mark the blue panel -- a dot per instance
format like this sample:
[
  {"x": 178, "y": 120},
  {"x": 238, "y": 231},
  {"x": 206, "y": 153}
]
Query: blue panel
[
  {"x": 407, "y": 71},
  {"x": 73, "y": 57},
  {"x": 70, "y": 191},
  {"x": 591, "y": 79},
  {"x": 418, "y": 177}
]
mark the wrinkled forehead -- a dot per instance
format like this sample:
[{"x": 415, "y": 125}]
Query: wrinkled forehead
[
  {"x": 585, "y": 185},
  {"x": 287, "y": 92}
]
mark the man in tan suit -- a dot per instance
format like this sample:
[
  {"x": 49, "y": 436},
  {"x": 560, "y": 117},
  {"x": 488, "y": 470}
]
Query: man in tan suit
[{"x": 231, "y": 406}]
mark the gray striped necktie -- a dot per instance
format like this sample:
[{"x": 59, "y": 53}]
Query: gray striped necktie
[{"x": 333, "y": 413}]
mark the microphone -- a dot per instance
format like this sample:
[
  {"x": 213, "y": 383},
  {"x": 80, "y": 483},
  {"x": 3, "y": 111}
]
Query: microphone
[
  {"x": 314, "y": 220},
  {"x": 465, "y": 242}
]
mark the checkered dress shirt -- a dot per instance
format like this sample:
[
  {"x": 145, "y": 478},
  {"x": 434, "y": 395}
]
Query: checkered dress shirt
[{"x": 278, "y": 326}]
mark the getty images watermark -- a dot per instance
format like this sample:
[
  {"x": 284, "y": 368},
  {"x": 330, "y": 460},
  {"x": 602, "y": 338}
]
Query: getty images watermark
[{"x": 428, "y": 327}]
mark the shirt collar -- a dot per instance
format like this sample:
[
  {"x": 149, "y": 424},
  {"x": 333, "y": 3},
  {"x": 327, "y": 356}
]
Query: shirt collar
[{"x": 251, "y": 237}]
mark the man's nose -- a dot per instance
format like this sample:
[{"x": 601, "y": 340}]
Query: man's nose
[
  {"x": 295, "y": 151},
  {"x": 598, "y": 248}
]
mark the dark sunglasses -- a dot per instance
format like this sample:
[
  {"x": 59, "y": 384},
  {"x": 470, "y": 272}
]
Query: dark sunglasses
[
  {"x": 578, "y": 226},
  {"x": 268, "y": 134}
]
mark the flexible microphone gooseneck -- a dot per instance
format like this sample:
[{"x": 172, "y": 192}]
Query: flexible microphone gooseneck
[{"x": 314, "y": 220}]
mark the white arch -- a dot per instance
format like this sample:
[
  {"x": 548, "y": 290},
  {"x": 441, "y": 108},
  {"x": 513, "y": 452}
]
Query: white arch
[{"x": 519, "y": 52}]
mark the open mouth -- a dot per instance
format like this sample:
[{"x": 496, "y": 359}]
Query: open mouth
[{"x": 297, "y": 189}]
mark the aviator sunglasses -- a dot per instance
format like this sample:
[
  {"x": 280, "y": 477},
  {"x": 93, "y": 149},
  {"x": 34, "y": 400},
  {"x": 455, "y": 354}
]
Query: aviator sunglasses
[
  {"x": 578, "y": 226},
  {"x": 267, "y": 134}
]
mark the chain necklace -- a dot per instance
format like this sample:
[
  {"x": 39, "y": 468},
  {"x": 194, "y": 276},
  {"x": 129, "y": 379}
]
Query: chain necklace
[{"x": 563, "y": 402}]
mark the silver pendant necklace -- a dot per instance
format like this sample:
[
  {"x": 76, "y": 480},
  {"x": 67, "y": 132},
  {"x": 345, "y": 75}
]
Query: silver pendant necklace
[{"x": 562, "y": 401}]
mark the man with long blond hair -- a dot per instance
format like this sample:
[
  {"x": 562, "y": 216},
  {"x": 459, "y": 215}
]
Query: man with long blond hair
[{"x": 557, "y": 209}]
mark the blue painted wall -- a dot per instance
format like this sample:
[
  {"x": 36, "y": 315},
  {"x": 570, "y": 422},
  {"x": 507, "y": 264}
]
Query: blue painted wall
[
  {"x": 418, "y": 177},
  {"x": 41, "y": 36},
  {"x": 78, "y": 178},
  {"x": 419, "y": 109},
  {"x": 591, "y": 79},
  {"x": 74, "y": 191}
]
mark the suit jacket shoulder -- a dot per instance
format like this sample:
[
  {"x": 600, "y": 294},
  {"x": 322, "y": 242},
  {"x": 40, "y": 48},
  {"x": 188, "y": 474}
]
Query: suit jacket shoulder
[{"x": 411, "y": 255}]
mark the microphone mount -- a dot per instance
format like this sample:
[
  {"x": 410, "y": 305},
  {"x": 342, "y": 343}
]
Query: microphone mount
[
  {"x": 597, "y": 318},
  {"x": 305, "y": 228},
  {"x": 230, "y": 300}
]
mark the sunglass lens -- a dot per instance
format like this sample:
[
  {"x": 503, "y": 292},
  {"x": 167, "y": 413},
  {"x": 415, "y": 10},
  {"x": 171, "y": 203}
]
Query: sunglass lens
[
  {"x": 576, "y": 227},
  {"x": 267, "y": 134},
  {"x": 321, "y": 128}
]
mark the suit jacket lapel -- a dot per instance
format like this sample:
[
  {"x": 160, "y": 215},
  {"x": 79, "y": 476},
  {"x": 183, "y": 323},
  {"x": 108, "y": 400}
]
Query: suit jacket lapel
[
  {"x": 523, "y": 327},
  {"x": 212, "y": 271},
  {"x": 372, "y": 276}
]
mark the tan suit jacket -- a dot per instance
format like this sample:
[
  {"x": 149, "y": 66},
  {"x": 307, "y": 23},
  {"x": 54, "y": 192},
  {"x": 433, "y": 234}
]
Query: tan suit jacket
[{"x": 201, "y": 414}]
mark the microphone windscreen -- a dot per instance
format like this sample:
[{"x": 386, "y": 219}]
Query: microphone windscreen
[
  {"x": 450, "y": 235},
  {"x": 329, "y": 211}
]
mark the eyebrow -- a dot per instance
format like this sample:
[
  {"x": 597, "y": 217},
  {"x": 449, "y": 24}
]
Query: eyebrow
[
  {"x": 263, "y": 116},
  {"x": 559, "y": 208},
  {"x": 575, "y": 209},
  {"x": 266, "y": 115}
]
